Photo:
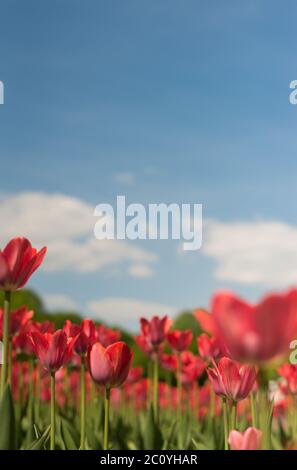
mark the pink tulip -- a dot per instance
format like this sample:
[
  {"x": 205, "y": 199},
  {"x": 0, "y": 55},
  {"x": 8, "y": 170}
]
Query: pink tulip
[
  {"x": 110, "y": 366},
  {"x": 250, "y": 439}
]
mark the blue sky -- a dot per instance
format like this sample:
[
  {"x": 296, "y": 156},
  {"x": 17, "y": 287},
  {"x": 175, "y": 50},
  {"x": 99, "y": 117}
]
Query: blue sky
[{"x": 163, "y": 101}]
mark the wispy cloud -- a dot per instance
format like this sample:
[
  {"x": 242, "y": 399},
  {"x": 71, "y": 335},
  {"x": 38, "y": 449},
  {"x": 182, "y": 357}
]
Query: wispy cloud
[
  {"x": 127, "y": 311},
  {"x": 59, "y": 302},
  {"x": 124, "y": 178},
  {"x": 65, "y": 224},
  {"x": 262, "y": 253}
]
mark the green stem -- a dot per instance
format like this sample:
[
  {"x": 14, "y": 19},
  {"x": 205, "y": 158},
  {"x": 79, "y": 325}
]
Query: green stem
[
  {"x": 179, "y": 388},
  {"x": 5, "y": 350},
  {"x": 82, "y": 404},
  {"x": 9, "y": 377},
  {"x": 233, "y": 415},
  {"x": 264, "y": 407},
  {"x": 212, "y": 402},
  {"x": 156, "y": 389},
  {"x": 31, "y": 398},
  {"x": 106, "y": 418},
  {"x": 254, "y": 409},
  {"x": 53, "y": 412},
  {"x": 38, "y": 392},
  {"x": 226, "y": 430}
]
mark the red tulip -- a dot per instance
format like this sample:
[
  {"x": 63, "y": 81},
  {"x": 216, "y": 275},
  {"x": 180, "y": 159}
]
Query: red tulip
[
  {"x": 71, "y": 329},
  {"x": 144, "y": 345},
  {"x": 107, "y": 336},
  {"x": 191, "y": 367},
  {"x": 110, "y": 366},
  {"x": 256, "y": 333},
  {"x": 135, "y": 374},
  {"x": 231, "y": 379},
  {"x": 85, "y": 338},
  {"x": 155, "y": 330},
  {"x": 17, "y": 320},
  {"x": 208, "y": 347},
  {"x": 51, "y": 349},
  {"x": 250, "y": 439},
  {"x": 169, "y": 361},
  {"x": 180, "y": 340},
  {"x": 289, "y": 373},
  {"x": 18, "y": 261}
]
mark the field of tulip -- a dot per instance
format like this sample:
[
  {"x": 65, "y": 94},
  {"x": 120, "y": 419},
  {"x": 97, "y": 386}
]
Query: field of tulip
[{"x": 77, "y": 387}]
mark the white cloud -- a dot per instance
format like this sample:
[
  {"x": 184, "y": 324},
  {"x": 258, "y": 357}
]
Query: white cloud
[
  {"x": 59, "y": 302},
  {"x": 140, "y": 270},
  {"x": 65, "y": 224},
  {"x": 262, "y": 253},
  {"x": 125, "y": 178},
  {"x": 126, "y": 311}
]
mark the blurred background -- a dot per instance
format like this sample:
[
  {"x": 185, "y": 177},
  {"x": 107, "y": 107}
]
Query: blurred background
[{"x": 160, "y": 101}]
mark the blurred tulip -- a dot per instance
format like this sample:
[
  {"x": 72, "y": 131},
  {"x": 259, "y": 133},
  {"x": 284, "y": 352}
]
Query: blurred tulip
[
  {"x": 205, "y": 321},
  {"x": 180, "y": 340},
  {"x": 208, "y": 347},
  {"x": 18, "y": 261},
  {"x": 231, "y": 379},
  {"x": 135, "y": 374},
  {"x": 289, "y": 373},
  {"x": 191, "y": 368},
  {"x": 107, "y": 336},
  {"x": 250, "y": 439},
  {"x": 71, "y": 329},
  {"x": 17, "y": 319},
  {"x": 256, "y": 333},
  {"x": 85, "y": 338},
  {"x": 169, "y": 361},
  {"x": 110, "y": 366},
  {"x": 51, "y": 349},
  {"x": 143, "y": 344},
  {"x": 155, "y": 330}
]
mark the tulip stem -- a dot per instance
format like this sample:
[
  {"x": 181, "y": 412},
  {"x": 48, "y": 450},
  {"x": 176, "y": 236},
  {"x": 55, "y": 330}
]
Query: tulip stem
[
  {"x": 179, "y": 388},
  {"x": 82, "y": 404},
  {"x": 53, "y": 412},
  {"x": 106, "y": 417},
  {"x": 5, "y": 351},
  {"x": 9, "y": 377},
  {"x": 156, "y": 389},
  {"x": 38, "y": 391},
  {"x": 212, "y": 403},
  {"x": 233, "y": 415},
  {"x": 254, "y": 409},
  {"x": 226, "y": 430}
]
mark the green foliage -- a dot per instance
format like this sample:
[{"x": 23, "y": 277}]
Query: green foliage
[
  {"x": 25, "y": 297},
  {"x": 7, "y": 421}
]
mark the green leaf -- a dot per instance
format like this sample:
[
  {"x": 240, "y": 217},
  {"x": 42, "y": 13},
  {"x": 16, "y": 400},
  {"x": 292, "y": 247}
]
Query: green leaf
[
  {"x": 152, "y": 436},
  {"x": 39, "y": 444},
  {"x": 7, "y": 422},
  {"x": 69, "y": 436}
]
